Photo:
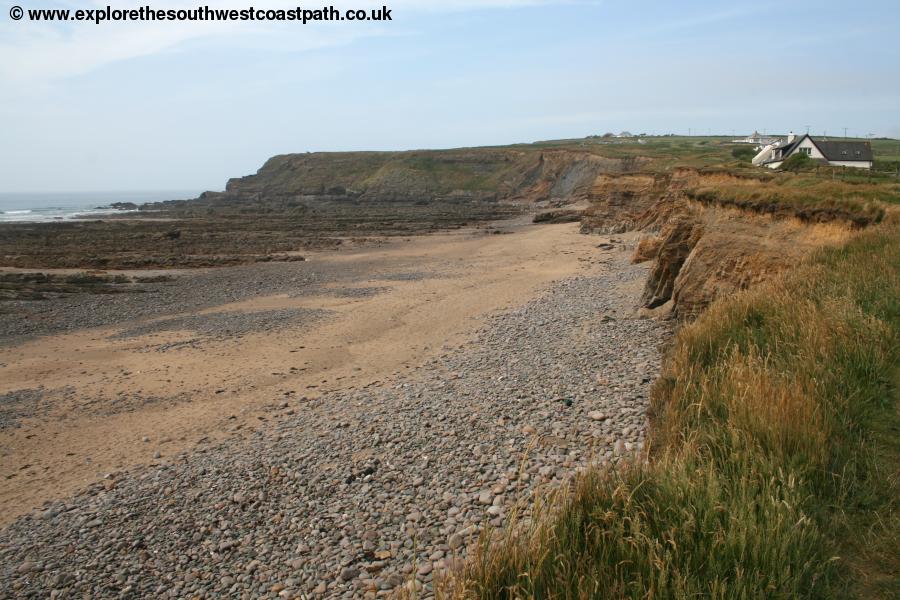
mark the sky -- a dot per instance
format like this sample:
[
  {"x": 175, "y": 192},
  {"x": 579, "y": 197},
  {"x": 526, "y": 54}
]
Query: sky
[{"x": 166, "y": 106}]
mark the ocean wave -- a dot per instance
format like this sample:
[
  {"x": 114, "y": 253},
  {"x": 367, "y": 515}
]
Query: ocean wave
[{"x": 41, "y": 215}]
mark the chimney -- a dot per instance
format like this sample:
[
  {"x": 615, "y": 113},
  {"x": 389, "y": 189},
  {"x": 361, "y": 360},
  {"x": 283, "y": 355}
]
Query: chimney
[{"x": 791, "y": 137}]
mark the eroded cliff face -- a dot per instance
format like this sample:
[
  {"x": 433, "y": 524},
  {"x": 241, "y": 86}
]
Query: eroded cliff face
[
  {"x": 675, "y": 246},
  {"x": 622, "y": 202},
  {"x": 565, "y": 176},
  {"x": 701, "y": 250}
]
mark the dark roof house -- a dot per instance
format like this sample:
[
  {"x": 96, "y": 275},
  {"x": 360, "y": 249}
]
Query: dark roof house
[{"x": 846, "y": 153}]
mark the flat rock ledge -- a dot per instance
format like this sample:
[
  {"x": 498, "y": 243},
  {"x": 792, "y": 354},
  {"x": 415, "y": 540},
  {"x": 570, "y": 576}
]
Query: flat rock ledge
[{"x": 361, "y": 491}]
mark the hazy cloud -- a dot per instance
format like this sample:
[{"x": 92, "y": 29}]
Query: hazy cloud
[{"x": 40, "y": 51}]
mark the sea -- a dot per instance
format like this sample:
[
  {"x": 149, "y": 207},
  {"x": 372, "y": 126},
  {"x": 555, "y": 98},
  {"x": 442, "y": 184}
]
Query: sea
[{"x": 61, "y": 206}]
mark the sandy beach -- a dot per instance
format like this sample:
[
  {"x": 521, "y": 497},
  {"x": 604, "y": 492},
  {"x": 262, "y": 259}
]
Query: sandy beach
[{"x": 85, "y": 401}]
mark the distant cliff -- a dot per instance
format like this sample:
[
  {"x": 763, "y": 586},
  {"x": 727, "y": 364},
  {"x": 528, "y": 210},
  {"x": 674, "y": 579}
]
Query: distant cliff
[{"x": 478, "y": 174}]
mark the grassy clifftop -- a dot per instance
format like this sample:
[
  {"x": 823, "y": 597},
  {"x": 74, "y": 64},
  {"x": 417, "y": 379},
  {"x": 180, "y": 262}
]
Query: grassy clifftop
[
  {"x": 357, "y": 173},
  {"x": 804, "y": 195}
]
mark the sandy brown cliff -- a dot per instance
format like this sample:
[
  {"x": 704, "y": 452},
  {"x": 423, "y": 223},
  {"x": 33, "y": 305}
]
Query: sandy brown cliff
[{"x": 703, "y": 249}]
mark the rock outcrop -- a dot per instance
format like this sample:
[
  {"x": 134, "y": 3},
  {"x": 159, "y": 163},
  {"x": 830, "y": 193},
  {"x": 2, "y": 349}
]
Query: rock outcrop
[
  {"x": 647, "y": 249},
  {"x": 677, "y": 243}
]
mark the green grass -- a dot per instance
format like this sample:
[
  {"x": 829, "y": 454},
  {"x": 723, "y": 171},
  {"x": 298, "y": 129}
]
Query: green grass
[
  {"x": 773, "y": 469},
  {"x": 808, "y": 195},
  {"x": 886, "y": 150}
]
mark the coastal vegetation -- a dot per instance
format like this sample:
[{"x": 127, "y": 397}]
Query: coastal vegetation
[{"x": 805, "y": 196}]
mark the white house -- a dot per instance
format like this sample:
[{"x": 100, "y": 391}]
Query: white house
[{"x": 838, "y": 153}]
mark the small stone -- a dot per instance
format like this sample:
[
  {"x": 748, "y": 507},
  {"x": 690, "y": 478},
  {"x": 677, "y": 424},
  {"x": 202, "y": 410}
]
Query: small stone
[
  {"x": 348, "y": 573},
  {"x": 455, "y": 541},
  {"x": 25, "y": 567},
  {"x": 596, "y": 415},
  {"x": 529, "y": 430}
]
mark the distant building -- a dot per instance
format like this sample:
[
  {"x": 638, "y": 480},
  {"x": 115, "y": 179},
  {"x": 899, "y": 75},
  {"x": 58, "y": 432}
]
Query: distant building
[
  {"x": 756, "y": 139},
  {"x": 838, "y": 153},
  {"x": 625, "y": 134}
]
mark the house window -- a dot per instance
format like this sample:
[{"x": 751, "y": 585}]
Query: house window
[{"x": 806, "y": 151}]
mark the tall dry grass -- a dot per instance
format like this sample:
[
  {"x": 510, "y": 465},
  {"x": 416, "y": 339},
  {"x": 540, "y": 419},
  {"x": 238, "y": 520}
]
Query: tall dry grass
[
  {"x": 773, "y": 468},
  {"x": 804, "y": 195}
]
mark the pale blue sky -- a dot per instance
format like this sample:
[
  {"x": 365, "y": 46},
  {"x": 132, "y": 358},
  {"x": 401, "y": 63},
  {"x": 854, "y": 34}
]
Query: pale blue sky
[{"x": 88, "y": 107}]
